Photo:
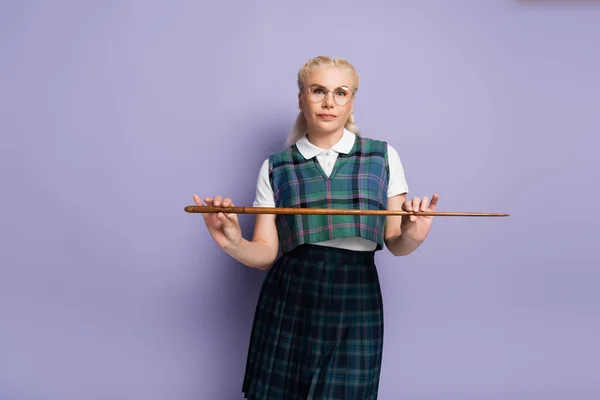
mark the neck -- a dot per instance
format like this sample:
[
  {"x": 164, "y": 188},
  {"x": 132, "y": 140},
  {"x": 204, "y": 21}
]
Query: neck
[{"x": 325, "y": 140}]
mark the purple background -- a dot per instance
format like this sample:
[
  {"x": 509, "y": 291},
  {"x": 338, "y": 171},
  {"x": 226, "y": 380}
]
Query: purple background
[{"x": 113, "y": 113}]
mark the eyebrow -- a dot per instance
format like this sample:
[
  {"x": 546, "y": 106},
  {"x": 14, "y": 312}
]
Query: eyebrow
[{"x": 323, "y": 86}]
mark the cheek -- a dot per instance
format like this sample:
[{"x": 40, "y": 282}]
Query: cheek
[
  {"x": 310, "y": 108},
  {"x": 345, "y": 112}
]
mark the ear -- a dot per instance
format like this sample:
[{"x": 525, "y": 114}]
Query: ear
[{"x": 299, "y": 101}]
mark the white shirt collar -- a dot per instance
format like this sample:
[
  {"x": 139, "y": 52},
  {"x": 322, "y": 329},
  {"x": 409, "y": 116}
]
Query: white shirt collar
[{"x": 309, "y": 150}]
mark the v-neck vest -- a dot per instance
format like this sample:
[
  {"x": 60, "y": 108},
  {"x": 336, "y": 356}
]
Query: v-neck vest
[{"x": 359, "y": 180}]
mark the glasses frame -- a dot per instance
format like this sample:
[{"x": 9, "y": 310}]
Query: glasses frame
[{"x": 327, "y": 91}]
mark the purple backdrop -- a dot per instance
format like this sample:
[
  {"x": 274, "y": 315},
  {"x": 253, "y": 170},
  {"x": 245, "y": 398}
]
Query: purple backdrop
[{"x": 114, "y": 113}]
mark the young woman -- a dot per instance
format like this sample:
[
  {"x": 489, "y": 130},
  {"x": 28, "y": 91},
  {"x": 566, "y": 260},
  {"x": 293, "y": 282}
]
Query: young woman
[{"x": 318, "y": 327}]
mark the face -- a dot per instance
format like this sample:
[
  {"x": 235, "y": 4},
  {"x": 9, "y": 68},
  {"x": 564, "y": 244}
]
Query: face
[{"x": 323, "y": 114}]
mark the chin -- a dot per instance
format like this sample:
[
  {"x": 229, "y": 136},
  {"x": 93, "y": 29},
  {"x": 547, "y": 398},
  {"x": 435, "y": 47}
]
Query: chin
[{"x": 328, "y": 127}]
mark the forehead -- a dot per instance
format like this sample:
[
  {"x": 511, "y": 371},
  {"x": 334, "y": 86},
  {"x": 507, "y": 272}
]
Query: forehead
[{"x": 330, "y": 77}]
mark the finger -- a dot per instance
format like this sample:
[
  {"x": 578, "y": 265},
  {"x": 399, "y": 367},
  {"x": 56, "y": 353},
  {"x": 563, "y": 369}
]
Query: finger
[
  {"x": 407, "y": 206},
  {"x": 415, "y": 204},
  {"x": 424, "y": 203},
  {"x": 217, "y": 201},
  {"x": 434, "y": 201},
  {"x": 208, "y": 201},
  {"x": 228, "y": 220},
  {"x": 227, "y": 202},
  {"x": 199, "y": 203}
]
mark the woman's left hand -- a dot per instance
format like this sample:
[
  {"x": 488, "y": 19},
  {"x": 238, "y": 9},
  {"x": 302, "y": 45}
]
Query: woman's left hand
[{"x": 415, "y": 226}]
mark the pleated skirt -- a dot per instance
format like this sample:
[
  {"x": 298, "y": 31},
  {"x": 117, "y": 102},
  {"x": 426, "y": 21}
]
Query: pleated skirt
[{"x": 318, "y": 328}]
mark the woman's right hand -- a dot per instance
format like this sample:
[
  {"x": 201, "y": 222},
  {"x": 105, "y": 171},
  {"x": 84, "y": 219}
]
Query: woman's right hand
[{"x": 224, "y": 228}]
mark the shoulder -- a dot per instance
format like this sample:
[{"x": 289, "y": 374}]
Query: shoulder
[
  {"x": 264, "y": 167},
  {"x": 377, "y": 143},
  {"x": 371, "y": 147},
  {"x": 264, "y": 172},
  {"x": 370, "y": 141},
  {"x": 282, "y": 155},
  {"x": 392, "y": 151}
]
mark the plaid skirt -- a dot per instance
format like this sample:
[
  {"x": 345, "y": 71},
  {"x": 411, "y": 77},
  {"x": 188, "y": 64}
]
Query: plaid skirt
[{"x": 318, "y": 328}]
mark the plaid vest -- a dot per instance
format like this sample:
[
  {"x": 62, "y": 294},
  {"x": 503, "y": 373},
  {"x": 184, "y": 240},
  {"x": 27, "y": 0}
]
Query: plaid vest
[{"x": 359, "y": 180}]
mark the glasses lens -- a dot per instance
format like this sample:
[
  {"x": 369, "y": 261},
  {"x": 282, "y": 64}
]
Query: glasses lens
[
  {"x": 341, "y": 95},
  {"x": 316, "y": 93}
]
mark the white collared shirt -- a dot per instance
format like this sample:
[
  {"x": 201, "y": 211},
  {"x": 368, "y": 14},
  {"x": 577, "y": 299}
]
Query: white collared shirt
[{"x": 327, "y": 158}]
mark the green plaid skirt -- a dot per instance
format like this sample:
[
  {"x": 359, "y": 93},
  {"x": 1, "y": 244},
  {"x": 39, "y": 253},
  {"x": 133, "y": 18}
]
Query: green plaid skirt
[{"x": 318, "y": 328}]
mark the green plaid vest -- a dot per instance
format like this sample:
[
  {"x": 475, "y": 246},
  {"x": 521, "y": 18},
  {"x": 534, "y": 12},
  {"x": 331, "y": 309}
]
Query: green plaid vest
[{"x": 359, "y": 180}]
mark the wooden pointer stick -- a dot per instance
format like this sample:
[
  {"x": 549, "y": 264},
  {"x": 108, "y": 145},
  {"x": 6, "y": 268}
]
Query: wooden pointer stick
[{"x": 330, "y": 211}]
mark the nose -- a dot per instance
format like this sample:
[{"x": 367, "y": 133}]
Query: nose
[{"x": 328, "y": 100}]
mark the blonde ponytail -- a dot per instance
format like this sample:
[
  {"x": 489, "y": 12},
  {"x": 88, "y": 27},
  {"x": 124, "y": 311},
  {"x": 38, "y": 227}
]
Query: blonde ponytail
[
  {"x": 298, "y": 130},
  {"x": 351, "y": 126},
  {"x": 300, "y": 125}
]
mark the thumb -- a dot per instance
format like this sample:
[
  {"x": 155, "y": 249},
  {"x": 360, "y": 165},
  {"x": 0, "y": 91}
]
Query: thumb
[{"x": 228, "y": 220}]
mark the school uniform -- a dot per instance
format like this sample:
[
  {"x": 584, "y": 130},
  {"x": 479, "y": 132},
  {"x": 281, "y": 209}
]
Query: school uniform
[{"x": 318, "y": 326}]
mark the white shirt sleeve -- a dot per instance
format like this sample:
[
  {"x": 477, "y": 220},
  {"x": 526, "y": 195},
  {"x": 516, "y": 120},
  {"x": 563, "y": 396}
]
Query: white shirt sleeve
[
  {"x": 397, "y": 184},
  {"x": 264, "y": 192}
]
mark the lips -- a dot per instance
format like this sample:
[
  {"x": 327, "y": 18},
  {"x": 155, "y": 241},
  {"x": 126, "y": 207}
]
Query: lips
[{"x": 326, "y": 116}]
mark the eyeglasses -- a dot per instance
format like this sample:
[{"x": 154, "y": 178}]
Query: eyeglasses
[{"x": 341, "y": 95}]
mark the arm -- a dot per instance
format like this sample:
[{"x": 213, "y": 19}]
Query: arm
[
  {"x": 262, "y": 250},
  {"x": 404, "y": 234},
  {"x": 225, "y": 229}
]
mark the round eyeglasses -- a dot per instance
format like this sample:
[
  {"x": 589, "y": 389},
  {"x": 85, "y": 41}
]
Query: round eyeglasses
[{"x": 341, "y": 95}]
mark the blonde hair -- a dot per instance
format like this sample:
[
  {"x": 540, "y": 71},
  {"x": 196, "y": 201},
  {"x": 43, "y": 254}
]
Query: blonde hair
[{"x": 300, "y": 126}]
